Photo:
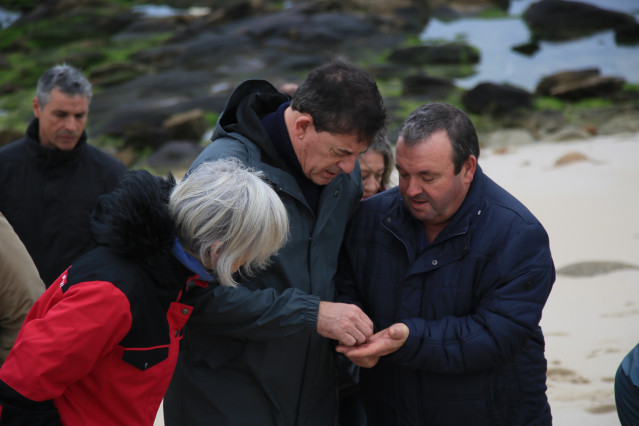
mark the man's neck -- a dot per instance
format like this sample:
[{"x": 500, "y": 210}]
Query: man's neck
[{"x": 433, "y": 230}]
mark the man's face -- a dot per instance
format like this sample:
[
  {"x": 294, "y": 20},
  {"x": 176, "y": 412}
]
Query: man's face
[
  {"x": 324, "y": 155},
  {"x": 62, "y": 120},
  {"x": 427, "y": 180}
]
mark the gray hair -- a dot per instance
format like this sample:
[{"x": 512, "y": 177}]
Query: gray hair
[
  {"x": 225, "y": 201},
  {"x": 431, "y": 118},
  {"x": 65, "y": 78}
]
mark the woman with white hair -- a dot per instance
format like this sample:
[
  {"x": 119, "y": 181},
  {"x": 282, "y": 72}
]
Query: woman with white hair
[{"x": 100, "y": 346}]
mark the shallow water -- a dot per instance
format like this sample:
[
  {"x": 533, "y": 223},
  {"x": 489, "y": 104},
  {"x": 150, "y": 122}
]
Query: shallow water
[
  {"x": 495, "y": 39},
  {"x": 7, "y": 17}
]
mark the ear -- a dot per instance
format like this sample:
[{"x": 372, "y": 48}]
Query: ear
[
  {"x": 215, "y": 253},
  {"x": 36, "y": 107},
  {"x": 469, "y": 168},
  {"x": 303, "y": 124}
]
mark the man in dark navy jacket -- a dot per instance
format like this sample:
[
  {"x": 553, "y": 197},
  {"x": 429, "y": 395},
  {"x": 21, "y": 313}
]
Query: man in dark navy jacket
[
  {"x": 454, "y": 272},
  {"x": 51, "y": 179}
]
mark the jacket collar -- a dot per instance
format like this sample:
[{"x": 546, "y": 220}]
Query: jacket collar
[
  {"x": 470, "y": 208},
  {"x": 52, "y": 157},
  {"x": 249, "y": 102},
  {"x": 191, "y": 262}
]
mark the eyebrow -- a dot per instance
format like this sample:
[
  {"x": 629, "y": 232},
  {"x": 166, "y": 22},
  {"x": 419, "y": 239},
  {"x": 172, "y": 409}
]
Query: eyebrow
[
  {"x": 66, "y": 112},
  {"x": 422, "y": 173},
  {"x": 345, "y": 151}
]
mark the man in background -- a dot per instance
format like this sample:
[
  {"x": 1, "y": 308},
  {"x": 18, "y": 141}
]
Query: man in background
[{"x": 51, "y": 178}]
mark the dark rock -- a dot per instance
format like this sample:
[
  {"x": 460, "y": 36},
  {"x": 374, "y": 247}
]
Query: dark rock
[
  {"x": 136, "y": 110},
  {"x": 147, "y": 26},
  {"x": 527, "y": 49},
  {"x": 412, "y": 18},
  {"x": 430, "y": 87},
  {"x": 220, "y": 14},
  {"x": 496, "y": 100},
  {"x": 565, "y": 20},
  {"x": 315, "y": 29},
  {"x": 547, "y": 84},
  {"x": 576, "y": 85},
  {"x": 54, "y": 22},
  {"x": 599, "y": 87},
  {"x": 446, "y": 14},
  {"x": 116, "y": 73},
  {"x": 188, "y": 125},
  {"x": 173, "y": 155},
  {"x": 627, "y": 35},
  {"x": 465, "y": 8},
  {"x": 141, "y": 134},
  {"x": 91, "y": 53},
  {"x": 449, "y": 53}
]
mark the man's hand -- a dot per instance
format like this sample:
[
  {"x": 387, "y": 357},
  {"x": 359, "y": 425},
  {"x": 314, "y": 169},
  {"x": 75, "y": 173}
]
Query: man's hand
[
  {"x": 343, "y": 322},
  {"x": 381, "y": 343}
]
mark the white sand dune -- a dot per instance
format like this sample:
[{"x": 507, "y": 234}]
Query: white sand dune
[{"x": 590, "y": 208}]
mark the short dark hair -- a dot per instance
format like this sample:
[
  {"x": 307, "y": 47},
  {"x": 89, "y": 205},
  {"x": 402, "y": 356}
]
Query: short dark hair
[
  {"x": 430, "y": 118},
  {"x": 343, "y": 99}
]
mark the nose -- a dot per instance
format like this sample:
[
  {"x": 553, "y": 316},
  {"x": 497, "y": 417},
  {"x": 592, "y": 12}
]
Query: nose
[
  {"x": 347, "y": 164},
  {"x": 412, "y": 188},
  {"x": 71, "y": 124},
  {"x": 371, "y": 184}
]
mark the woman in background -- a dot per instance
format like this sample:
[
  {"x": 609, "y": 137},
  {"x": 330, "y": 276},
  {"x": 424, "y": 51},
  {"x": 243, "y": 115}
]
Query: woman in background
[{"x": 376, "y": 165}]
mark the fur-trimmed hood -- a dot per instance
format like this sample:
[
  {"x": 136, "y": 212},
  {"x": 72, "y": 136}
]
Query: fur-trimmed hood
[{"x": 134, "y": 218}]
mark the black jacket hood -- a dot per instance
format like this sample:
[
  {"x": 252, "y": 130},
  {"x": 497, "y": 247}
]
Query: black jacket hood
[
  {"x": 133, "y": 219},
  {"x": 249, "y": 102}
]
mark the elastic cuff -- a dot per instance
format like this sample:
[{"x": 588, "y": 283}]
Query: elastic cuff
[{"x": 311, "y": 310}]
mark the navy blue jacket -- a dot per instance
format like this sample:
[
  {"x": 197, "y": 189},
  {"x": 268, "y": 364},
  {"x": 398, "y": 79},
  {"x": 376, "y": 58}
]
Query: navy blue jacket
[{"x": 472, "y": 300}]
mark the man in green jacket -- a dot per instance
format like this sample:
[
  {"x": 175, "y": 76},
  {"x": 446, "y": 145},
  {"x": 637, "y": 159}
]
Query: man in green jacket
[{"x": 263, "y": 353}]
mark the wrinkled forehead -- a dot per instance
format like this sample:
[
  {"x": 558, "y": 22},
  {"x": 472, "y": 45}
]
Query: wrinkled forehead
[{"x": 345, "y": 143}]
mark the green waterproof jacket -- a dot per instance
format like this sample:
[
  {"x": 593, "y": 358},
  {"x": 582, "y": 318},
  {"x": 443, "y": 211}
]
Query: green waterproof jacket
[{"x": 251, "y": 355}]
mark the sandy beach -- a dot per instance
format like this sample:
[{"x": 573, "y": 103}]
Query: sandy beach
[{"x": 586, "y": 193}]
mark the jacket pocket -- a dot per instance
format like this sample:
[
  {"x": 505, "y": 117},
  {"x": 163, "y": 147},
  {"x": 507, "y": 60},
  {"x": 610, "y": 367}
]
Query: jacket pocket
[{"x": 144, "y": 359}]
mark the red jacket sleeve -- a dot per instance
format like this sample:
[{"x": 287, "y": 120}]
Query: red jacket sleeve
[{"x": 63, "y": 337}]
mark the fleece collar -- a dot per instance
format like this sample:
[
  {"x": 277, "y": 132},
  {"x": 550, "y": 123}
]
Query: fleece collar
[{"x": 191, "y": 262}]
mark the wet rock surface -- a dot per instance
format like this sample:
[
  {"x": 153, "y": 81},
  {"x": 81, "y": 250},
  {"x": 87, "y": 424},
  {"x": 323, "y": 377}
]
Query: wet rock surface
[{"x": 205, "y": 53}]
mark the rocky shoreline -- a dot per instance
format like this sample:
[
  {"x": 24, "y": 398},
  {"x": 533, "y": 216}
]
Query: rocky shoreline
[{"x": 154, "y": 105}]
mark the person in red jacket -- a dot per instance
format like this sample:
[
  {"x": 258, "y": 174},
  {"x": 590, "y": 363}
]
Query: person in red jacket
[{"x": 100, "y": 346}]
